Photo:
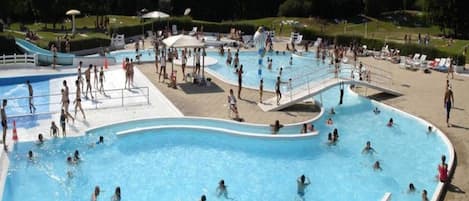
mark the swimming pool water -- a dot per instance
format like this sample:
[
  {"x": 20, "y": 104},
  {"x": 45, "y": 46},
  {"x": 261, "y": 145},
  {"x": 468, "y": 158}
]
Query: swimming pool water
[{"x": 183, "y": 163}]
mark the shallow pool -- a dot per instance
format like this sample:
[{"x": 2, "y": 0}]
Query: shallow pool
[{"x": 184, "y": 163}]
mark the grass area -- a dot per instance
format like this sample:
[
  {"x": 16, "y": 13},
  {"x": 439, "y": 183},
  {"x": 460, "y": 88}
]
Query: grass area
[{"x": 84, "y": 24}]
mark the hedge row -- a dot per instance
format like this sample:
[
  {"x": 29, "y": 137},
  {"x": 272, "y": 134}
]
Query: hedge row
[
  {"x": 83, "y": 44},
  {"x": 182, "y": 23},
  {"x": 405, "y": 49},
  {"x": 7, "y": 45}
]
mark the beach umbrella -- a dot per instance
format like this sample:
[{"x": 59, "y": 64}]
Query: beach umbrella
[
  {"x": 187, "y": 11},
  {"x": 73, "y": 12},
  {"x": 155, "y": 15}
]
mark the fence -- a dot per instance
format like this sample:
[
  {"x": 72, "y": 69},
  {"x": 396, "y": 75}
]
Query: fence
[
  {"x": 51, "y": 103},
  {"x": 308, "y": 80},
  {"x": 18, "y": 59}
]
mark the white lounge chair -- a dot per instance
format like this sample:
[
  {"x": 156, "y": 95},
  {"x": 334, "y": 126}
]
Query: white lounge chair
[
  {"x": 299, "y": 39},
  {"x": 420, "y": 62},
  {"x": 193, "y": 32},
  {"x": 441, "y": 66}
]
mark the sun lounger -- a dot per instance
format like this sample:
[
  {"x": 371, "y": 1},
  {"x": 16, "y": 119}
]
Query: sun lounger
[
  {"x": 193, "y": 32},
  {"x": 441, "y": 66}
]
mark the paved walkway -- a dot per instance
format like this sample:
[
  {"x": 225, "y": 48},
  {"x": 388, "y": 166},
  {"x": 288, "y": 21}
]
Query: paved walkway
[{"x": 195, "y": 100}]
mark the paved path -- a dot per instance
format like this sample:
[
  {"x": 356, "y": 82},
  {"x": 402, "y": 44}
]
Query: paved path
[{"x": 194, "y": 100}]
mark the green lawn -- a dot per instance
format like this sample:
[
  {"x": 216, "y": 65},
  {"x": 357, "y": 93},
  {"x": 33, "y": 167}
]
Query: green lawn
[{"x": 375, "y": 28}]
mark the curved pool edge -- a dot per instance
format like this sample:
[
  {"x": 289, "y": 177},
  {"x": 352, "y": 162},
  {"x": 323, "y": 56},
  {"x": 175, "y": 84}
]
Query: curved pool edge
[
  {"x": 439, "y": 188},
  {"x": 223, "y": 131}
]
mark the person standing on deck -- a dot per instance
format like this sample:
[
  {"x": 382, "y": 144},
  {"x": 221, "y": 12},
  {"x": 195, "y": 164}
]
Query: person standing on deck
[
  {"x": 4, "y": 123},
  {"x": 31, "y": 104},
  {"x": 88, "y": 82},
  {"x": 448, "y": 103},
  {"x": 240, "y": 80}
]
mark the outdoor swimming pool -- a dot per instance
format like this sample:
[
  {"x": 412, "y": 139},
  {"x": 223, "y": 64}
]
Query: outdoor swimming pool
[{"x": 184, "y": 163}]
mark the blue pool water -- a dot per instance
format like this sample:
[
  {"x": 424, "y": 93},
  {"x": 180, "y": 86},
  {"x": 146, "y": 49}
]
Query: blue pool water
[{"x": 184, "y": 163}]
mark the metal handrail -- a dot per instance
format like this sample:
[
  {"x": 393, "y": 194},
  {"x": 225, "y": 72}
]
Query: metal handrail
[
  {"x": 305, "y": 82},
  {"x": 96, "y": 101}
]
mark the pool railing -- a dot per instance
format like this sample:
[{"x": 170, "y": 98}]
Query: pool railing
[{"x": 119, "y": 97}]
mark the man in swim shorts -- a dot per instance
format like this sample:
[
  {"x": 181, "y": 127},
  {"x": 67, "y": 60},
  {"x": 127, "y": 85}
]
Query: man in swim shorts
[
  {"x": 4, "y": 123},
  {"x": 448, "y": 101}
]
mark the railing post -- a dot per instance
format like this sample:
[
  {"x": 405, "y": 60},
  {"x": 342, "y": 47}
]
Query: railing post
[
  {"x": 25, "y": 58},
  {"x": 122, "y": 97},
  {"x": 3, "y": 58},
  {"x": 14, "y": 58}
]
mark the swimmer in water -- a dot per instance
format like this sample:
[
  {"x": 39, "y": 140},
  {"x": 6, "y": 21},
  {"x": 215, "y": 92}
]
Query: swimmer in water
[
  {"x": 368, "y": 148},
  {"x": 329, "y": 121},
  {"x": 76, "y": 156},
  {"x": 332, "y": 112},
  {"x": 30, "y": 155},
  {"x": 302, "y": 182},
  {"x": 40, "y": 139},
  {"x": 376, "y": 110},
  {"x": 221, "y": 189},
  {"x": 95, "y": 194},
  {"x": 70, "y": 161},
  {"x": 117, "y": 194},
  {"x": 203, "y": 198},
  {"x": 390, "y": 122},
  {"x": 377, "y": 166},
  {"x": 411, "y": 188},
  {"x": 430, "y": 129}
]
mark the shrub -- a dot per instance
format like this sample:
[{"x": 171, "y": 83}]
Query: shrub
[
  {"x": 182, "y": 23},
  {"x": 83, "y": 44},
  {"x": 8, "y": 45}
]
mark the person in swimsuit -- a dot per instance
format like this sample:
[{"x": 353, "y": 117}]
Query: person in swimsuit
[
  {"x": 424, "y": 195},
  {"x": 117, "y": 194},
  {"x": 261, "y": 90},
  {"x": 232, "y": 101},
  {"x": 88, "y": 82},
  {"x": 77, "y": 100},
  {"x": 95, "y": 194},
  {"x": 278, "y": 93},
  {"x": 131, "y": 73},
  {"x": 448, "y": 102},
  {"x": 221, "y": 189},
  {"x": 101, "y": 80},
  {"x": 54, "y": 130},
  {"x": 31, "y": 103},
  {"x": 377, "y": 166},
  {"x": 63, "y": 117},
  {"x": 302, "y": 182},
  {"x": 80, "y": 77},
  {"x": 162, "y": 67},
  {"x": 197, "y": 61},
  {"x": 183, "y": 64},
  {"x": 276, "y": 127},
  {"x": 96, "y": 83},
  {"x": 66, "y": 101},
  {"x": 229, "y": 58},
  {"x": 240, "y": 80},
  {"x": 368, "y": 148},
  {"x": 4, "y": 123}
]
